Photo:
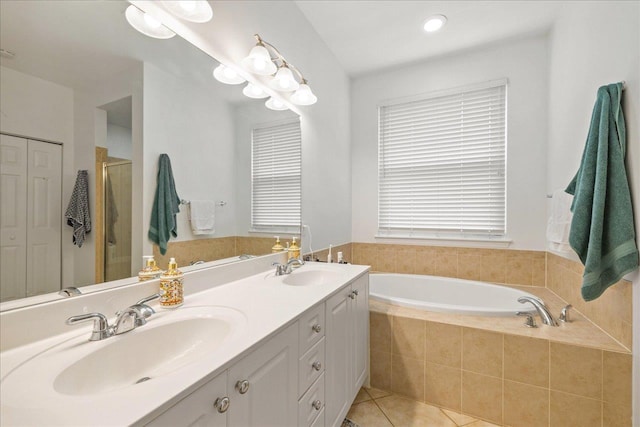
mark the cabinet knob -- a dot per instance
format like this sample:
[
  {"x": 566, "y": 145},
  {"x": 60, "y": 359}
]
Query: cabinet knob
[
  {"x": 317, "y": 366},
  {"x": 221, "y": 404},
  {"x": 355, "y": 292},
  {"x": 242, "y": 386},
  {"x": 316, "y": 328},
  {"x": 352, "y": 296},
  {"x": 317, "y": 405}
]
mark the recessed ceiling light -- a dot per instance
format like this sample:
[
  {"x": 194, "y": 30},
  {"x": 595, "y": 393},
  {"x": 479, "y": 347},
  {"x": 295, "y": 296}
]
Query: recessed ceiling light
[{"x": 434, "y": 23}]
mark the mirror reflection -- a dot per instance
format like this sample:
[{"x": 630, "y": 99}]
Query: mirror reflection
[{"x": 83, "y": 91}]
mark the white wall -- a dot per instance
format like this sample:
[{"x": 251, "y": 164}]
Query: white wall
[
  {"x": 89, "y": 129},
  {"x": 37, "y": 108},
  {"x": 593, "y": 44},
  {"x": 326, "y": 157},
  {"x": 524, "y": 63},
  {"x": 119, "y": 141},
  {"x": 194, "y": 127}
]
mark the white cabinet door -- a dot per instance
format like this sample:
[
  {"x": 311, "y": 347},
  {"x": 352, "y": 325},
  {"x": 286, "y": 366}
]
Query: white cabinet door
[
  {"x": 337, "y": 368},
  {"x": 270, "y": 396},
  {"x": 13, "y": 218},
  {"x": 360, "y": 329},
  {"x": 44, "y": 217},
  {"x": 198, "y": 409}
]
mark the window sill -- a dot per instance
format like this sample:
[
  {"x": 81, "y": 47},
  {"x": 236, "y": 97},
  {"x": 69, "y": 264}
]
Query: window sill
[
  {"x": 275, "y": 232},
  {"x": 500, "y": 242}
]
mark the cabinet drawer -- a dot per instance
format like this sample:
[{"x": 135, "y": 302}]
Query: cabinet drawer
[
  {"x": 310, "y": 366},
  {"x": 311, "y": 327},
  {"x": 319, "y": 422},
  {"x": 311, "y": 404}
]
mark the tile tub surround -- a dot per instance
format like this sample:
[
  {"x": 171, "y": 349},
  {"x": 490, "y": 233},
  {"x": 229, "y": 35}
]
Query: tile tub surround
[
  {"x": 498, "y": 377},
  {"x": 612, "y": 312},
  {"x": 187, "y": 251}
]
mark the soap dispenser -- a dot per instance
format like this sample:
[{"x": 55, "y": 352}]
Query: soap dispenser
[
  {"x": 150, "y": 270},
  {"x": 171, "y": 291},
  {"x": 294, "y": 249},
  {"x": 278, "y": 246}
]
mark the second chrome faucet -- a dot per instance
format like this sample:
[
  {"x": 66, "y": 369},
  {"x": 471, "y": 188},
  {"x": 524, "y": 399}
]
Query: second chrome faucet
[{"x": 126, "y": 320}]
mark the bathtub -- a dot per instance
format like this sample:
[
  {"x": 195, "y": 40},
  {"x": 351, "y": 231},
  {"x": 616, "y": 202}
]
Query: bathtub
[{"x": 448, "y": 295}]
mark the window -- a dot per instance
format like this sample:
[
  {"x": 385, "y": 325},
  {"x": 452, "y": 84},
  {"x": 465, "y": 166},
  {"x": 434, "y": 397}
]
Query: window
[
  {"x": 276, "y": 177},
  {"x": 442, "y": 162}
]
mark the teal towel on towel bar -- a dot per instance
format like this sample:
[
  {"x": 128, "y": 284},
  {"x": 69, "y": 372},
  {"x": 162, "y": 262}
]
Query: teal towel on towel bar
[
  {"x": 602, "y": 230},
  {"x": 166, "y": 204}
]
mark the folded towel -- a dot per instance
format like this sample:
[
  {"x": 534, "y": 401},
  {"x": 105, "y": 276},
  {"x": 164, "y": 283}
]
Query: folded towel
[
  {"x": 202, "y": 216},
  {"x": 602, "y": 229},
  {"x": 77, "y": 213},
  {"x": 559, "y": 222},
  {"x": 166, "y": 204}
]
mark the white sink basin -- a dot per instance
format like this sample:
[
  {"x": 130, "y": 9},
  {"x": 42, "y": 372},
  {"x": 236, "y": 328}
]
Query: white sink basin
[
  {"x": 168, "y": 342},
  {"x": 311, "y": 277}
]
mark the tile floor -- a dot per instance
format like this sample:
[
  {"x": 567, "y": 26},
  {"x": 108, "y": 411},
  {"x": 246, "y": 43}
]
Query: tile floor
[{"x": 377, "y": 408}]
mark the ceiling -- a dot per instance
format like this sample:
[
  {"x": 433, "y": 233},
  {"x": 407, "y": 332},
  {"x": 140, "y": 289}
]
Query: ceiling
[{"x": 371, "y": 35}]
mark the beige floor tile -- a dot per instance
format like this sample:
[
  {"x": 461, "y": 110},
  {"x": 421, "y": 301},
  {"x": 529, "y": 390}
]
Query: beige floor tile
[
  {"x": 409, "y": 413},
  {"x": 367, "y": 414},
  {"x": 362, "y": 396},
  {"x": 481, "y": 423},
  {"x": 458, "y": 418},
  {"x": 376, "y": 393}
]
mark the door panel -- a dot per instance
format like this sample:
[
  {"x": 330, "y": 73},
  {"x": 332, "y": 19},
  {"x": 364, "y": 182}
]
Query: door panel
[{"x": 13, "y": 221}]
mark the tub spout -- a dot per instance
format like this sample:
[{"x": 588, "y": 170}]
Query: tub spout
[{"x": 543, "y": 311}]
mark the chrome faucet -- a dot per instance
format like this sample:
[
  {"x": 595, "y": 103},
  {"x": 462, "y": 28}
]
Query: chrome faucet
[
  {"x": 541, "y": 308},
  {"x": 126, "y": 320},
  {"x": 287, "y": 268}
]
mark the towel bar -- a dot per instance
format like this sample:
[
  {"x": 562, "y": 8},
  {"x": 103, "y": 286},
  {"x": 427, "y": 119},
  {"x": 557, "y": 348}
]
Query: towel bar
[{"x": 188, "y": 202}]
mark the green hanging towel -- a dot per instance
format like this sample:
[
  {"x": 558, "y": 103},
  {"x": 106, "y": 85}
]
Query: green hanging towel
[
  {"x": 602, "y": 230},
  {"x": 166, "y": 204}
]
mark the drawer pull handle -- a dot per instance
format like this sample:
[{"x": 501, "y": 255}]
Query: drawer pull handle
[
  {"x": 316, "y": 328},
  {"x": 242, "y": 386},
  {"x": 317, "y": 405},
  {"x": 222, "y": 404},
  {"x": 317, "y": 366}
]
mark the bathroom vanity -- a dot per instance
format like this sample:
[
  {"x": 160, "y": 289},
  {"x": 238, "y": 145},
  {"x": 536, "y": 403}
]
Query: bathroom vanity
[{"x": 288, "y": 350}]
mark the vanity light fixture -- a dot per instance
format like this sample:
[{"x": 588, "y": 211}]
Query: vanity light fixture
[
  {"x": 275, "y": 104},
  {"x": 190, "y": 10},
  {"x": 253, "y": 91},
  {"x": 147, "y": 24},
  {"x": 227, "y": 75},
  {"x": 264, "y": 60},
  {"x": 434, "y": 23}
]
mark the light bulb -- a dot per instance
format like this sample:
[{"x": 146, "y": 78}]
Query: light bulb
[
  {"x": 253, "y": 91},
  {"x": 259, "y": 64},
  {"x": 259, "y": 61},
  {"x": 147, "y": 24},
  {"x": 284, "y": 80},
  {"x": 227, "y": 75},
  {"x": 151, "y": 21},
  {"x": 304, "y": 96},
  {"x": 435, "y": 23},
  {"x": 188, "y": 5},
  {"x": 275, "y": 104}
]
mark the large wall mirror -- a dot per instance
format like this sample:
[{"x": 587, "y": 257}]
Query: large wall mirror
[{"x": 83, "y": 87}]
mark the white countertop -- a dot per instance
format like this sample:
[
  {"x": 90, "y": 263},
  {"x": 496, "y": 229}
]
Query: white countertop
[{"x": 265, "y": 303}]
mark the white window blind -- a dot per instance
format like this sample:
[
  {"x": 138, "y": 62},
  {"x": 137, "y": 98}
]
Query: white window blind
[
  {"x": 442, "y": 164},
  {"x": 276, "y": 177}
]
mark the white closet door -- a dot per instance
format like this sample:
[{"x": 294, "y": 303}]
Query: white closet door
[
  {"x": 13, "y": 220},
  {"x": 44, "y": 217}
]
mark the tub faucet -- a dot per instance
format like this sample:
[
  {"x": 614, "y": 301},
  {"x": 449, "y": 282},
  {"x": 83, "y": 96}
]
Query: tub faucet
[{"x": 543, "y": 311}]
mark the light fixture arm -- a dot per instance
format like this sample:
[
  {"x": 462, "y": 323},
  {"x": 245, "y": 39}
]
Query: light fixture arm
[{"x": 279, "y": 57}]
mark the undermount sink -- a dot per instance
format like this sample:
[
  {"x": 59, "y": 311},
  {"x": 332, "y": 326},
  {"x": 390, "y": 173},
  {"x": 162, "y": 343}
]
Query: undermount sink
[
  {"x": 165, "y": 344},
  {"x": 311, "y": 277}
]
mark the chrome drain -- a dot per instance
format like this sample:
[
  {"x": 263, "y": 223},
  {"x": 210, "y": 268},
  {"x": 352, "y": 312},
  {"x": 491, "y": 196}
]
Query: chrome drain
[{"x": 143, "y": 379}]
